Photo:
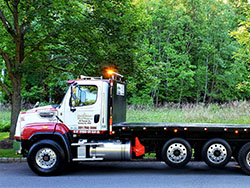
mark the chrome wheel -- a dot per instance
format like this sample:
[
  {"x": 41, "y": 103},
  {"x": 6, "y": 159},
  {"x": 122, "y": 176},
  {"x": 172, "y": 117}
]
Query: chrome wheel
[
  {"x": 45, "y": 158},
  {"x": 248, "y": 158},
  {"x": 176, "y": 153},
  {"x": 217, "y": 153},
  {"x": 244, "y": 158}
]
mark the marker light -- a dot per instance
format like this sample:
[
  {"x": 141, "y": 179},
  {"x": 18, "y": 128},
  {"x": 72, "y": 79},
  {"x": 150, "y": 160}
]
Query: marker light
[
  {"x": 144, "y": 128},
  {"x": 165, "y": 128},
  {"x": 225, "y": 129},
  {"x": 245, "y": 130},
  {"x": 205, "y": 129},
  {"x": 185, "y": 129},
  {"x": 236, "y": 131},
  {"x": 175, "y": 130}
]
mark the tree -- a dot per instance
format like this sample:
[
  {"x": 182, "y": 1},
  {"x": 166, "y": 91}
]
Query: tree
[
  {"x": 242, "y": 55},
  {"x": 27, "y": 27},
  {"x": 39, "y": 36},
  {"x": 187, "y": 52}
]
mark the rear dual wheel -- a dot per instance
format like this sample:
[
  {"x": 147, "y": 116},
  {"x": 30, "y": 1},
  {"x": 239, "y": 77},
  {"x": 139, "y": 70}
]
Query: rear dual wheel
[
  {"x": 216, "y": 153},
  {"x": 244, "y": 158},
  {"x": 176, "y": 152}
]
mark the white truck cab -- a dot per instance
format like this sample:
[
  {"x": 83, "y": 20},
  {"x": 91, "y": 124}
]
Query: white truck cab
[{"x": 84, "y": 107}]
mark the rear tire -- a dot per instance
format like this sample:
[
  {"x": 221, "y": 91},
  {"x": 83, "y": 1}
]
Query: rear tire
[
  {"x": 244, "y": 158},
  {"x": 176, "y": 152},
  {"x": 216, "y": 153},
  {"x": 46, "y": 157}
]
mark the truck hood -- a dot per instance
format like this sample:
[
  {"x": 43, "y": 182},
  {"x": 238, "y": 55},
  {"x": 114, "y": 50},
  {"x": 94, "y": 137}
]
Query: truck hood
[
  {"x": 41, "y": 114},
  {"x": 47, "y": 108}
]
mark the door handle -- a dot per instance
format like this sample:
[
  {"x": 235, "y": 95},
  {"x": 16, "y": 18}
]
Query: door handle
[{"x": 96, "y": 118}]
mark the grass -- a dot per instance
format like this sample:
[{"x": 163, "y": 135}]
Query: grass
[
  {"x": 4, "y": 121},
  {"x": 4, "y": 135},
  {"x": 234, "y": 112},
  {"x": 8, "y": 153}
]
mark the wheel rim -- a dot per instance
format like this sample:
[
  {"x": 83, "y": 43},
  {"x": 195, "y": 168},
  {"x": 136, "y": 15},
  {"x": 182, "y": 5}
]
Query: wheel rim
[
  {"x": 217, "y": 153},
  {"x": 248, "y": 158},
  {"x": 46, "y": 158},
  {"x": 177, "y": 153}
]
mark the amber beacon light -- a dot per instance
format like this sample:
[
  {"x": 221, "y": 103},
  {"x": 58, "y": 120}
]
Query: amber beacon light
[{"x": 112, "y": 73}]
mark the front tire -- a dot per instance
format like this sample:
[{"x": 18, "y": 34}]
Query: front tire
[
  {"x": 46, "y": 157},
  {"x": 176, "y": 152}
]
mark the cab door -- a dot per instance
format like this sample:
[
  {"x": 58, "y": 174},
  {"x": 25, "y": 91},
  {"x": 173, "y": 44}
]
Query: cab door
[{"x": 83, "y": 112}]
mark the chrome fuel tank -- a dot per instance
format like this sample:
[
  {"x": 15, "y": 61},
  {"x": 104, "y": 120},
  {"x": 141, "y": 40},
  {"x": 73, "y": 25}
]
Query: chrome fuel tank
[{"x": 112, "y": 150}]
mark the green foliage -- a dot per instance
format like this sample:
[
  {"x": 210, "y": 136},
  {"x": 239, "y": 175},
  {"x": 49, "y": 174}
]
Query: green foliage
[
  {"x": 169, "y": 51},
  {"x": 4, "y": 135},
  {"x": 4, "y": 121},
  {"x": 186, "y": 54},
  {"x": 4, "y": 125},
  {"x": 242, "y": 55},
  {"x": 66, "y": 39}
]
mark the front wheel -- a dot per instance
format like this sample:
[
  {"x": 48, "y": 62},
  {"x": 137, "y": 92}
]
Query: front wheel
[
  {"x": 176, "y": 152},
  {"x": 46, "y": 157}
]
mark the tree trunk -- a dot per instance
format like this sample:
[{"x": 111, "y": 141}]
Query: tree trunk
[
  {"x": 15, "y": 104},
  {"x": 206, "y": 82}
]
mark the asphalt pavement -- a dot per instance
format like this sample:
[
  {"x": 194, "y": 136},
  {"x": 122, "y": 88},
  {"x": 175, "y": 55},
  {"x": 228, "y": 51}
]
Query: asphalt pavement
[{"x": 126, "y": 175}]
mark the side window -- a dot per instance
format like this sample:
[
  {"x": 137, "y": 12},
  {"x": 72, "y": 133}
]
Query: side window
[{"x": 83, "y": 95}]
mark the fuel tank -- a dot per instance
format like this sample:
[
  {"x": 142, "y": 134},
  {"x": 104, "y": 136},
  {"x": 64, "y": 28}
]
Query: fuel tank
[{"x": 112, "y": 150}]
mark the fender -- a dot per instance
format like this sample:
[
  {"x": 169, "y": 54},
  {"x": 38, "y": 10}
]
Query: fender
[{"x": 59, "y": 130}]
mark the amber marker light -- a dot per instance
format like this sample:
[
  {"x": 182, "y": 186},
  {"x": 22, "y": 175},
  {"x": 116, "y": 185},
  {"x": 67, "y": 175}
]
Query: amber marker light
[
  {"x": 175, "y": 130},
  {"x": 110, "y": 72},
  {"x": 236, "y": 131},
  {"x": 113, "y": 132}
]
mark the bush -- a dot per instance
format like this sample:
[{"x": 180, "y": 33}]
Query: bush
[{"x": 4, "y": 126}]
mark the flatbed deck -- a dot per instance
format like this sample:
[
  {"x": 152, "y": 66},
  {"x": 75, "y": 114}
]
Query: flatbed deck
[
  {"x": 182, "y": 125},
  {"x": 190, "y": 131}
]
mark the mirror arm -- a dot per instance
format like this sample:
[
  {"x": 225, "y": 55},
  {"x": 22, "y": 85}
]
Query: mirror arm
[{"x": 72, "y": 109}]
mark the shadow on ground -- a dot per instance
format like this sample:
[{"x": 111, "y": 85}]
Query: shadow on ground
[{"x": 100, "y": 168}]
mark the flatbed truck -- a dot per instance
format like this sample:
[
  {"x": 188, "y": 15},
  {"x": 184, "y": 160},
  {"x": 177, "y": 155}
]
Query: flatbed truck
[{"x": 90, "y": 125}]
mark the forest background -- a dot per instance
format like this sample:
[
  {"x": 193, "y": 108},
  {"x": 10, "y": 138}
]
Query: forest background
[{"x": 169, "y": 51}]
